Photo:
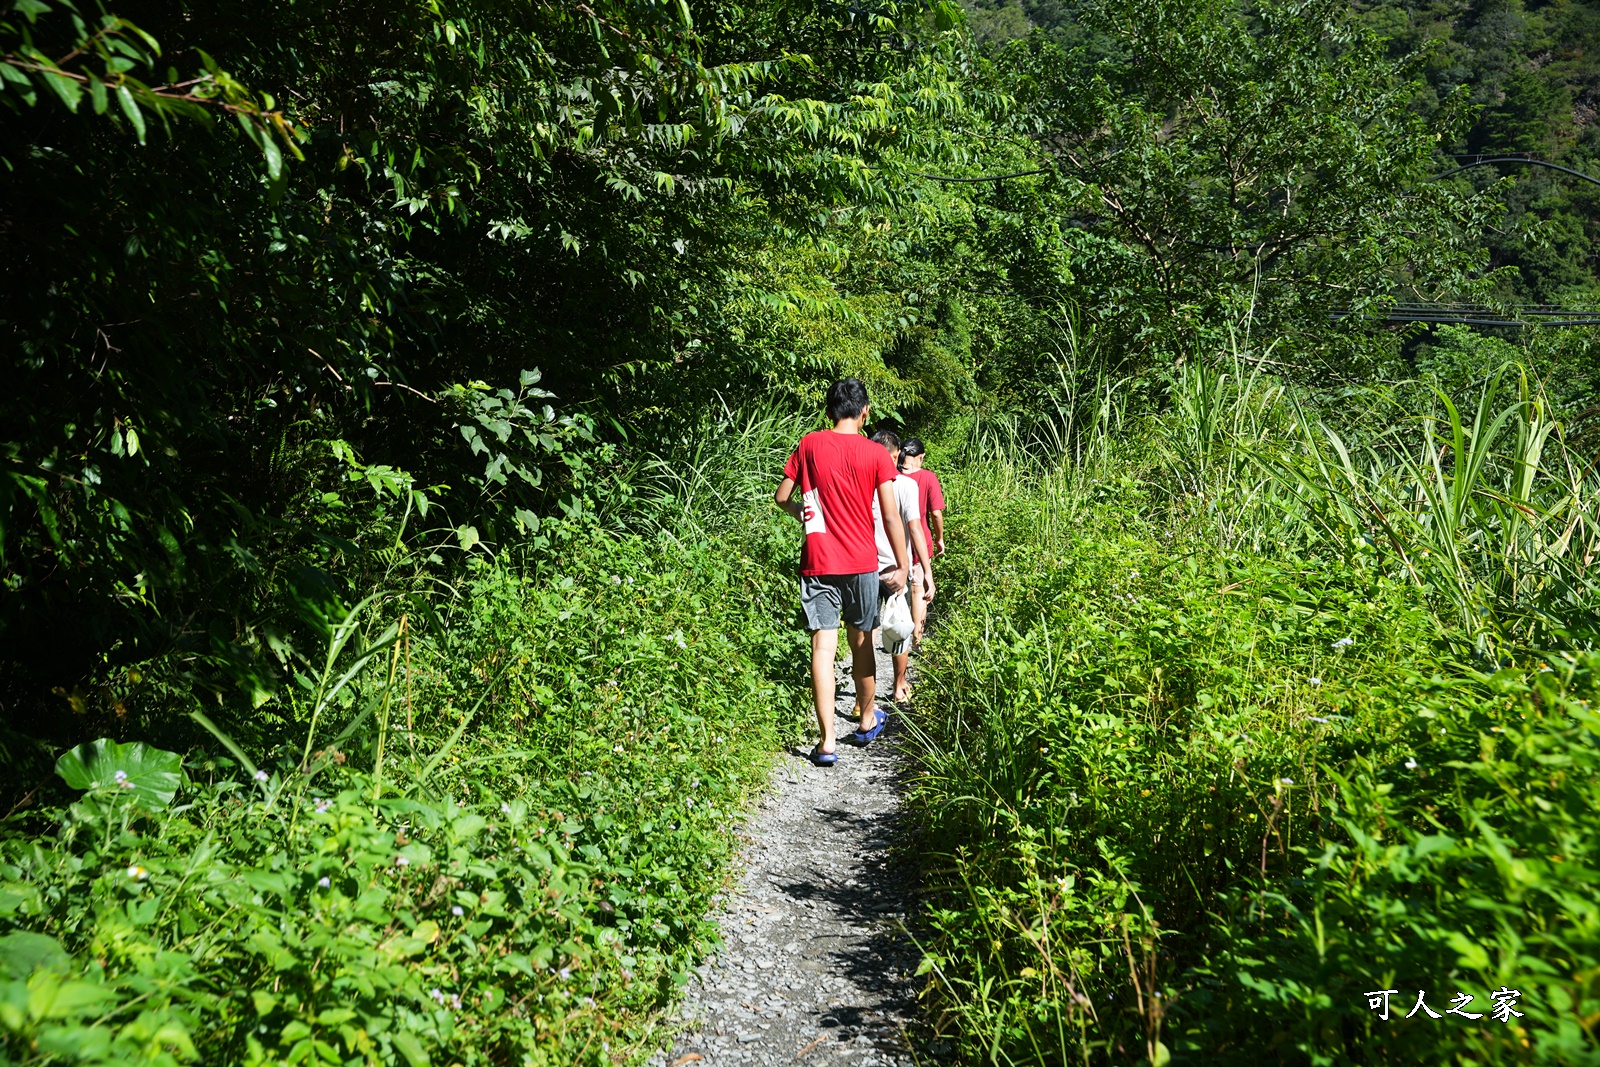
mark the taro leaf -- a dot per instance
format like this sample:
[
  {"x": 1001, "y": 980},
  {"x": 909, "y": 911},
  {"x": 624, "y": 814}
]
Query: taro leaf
[{"x": 152, "y": 776}]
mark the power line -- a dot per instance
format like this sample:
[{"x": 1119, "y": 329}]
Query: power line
[
  {"x": 1450, "y": 314},
  {"x": 1486, "y": 161}
]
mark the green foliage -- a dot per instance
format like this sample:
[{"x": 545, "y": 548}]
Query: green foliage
[
  {"x": 148, "y": 775},
  {"x": 496, "y": 837},
  {"x": 189, "y": 337},
  {"x": 1194, "y": 759},
  {"x": 1256, "y": 170}
]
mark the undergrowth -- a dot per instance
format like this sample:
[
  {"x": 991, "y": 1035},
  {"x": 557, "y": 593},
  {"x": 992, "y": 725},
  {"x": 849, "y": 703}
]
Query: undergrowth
[
  {"x": 486, "y": 830},
  {"x": 1201, "y": 777}
]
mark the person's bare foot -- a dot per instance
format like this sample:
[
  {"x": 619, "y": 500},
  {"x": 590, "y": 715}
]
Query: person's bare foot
[{"x": 902, "y": 695}]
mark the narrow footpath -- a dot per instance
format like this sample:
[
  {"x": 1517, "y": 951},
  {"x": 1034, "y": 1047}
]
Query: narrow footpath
[{"x": 815, "y": 968}]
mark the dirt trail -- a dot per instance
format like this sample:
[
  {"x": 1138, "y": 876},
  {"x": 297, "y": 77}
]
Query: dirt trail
[{"x": 815, "y": 970}]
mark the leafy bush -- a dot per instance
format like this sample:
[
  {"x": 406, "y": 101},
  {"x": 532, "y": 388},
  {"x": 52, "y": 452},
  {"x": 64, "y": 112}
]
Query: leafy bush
[
  {"x": 1192, "y": 802},
  {"x": 496, "y": 842}
]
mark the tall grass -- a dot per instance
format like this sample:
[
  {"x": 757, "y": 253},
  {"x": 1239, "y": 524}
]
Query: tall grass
[
  {"x": 1488, "y": 510},
  {"x": 1244, "y": 710},
  {"x": 724, "y": 463}
]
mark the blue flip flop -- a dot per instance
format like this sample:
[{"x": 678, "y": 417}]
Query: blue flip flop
[
  {"x": 823, "y": 759},
  {"x": 871, "y": 735}
]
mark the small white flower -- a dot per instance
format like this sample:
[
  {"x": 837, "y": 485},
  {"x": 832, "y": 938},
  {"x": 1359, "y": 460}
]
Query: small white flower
[
  {"x": 324, "y": 882},
  {"x": 1344, "y": 642},
  {"x": 124, "y": 784},
  {"x": 564, "y": 973},
  {"x": 401, "y": 861},
  {"x": 617, "y": 749},
  {"x": 323, "y": 805},
  {"x": 1132, "y": 576},
  {"x": 505, "y": 809},
  {"x": 1314, "y": 681},
  {"x": 1412, "y": 764},
  {"x": 260, "y": 776},
  {"x": 1286, "y": 781},
  {"x": 1317, "y": 718},
  {"x": 458, "y": 911},
  {"x": 138, "y": 873},
  {"x": 120, "y": 777},
  {"x": 615, "y": 580}
]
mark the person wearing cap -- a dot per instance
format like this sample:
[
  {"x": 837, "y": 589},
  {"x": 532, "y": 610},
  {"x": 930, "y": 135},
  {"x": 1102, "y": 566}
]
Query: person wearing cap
[
  {"x": 930, "y": 496},
  {"x": 919, "y": 587},
  {"x": 840, "y": 475}
]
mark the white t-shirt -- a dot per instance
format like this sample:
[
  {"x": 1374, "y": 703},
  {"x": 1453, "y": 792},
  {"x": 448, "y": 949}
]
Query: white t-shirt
[{"x": 905, "y": 496}]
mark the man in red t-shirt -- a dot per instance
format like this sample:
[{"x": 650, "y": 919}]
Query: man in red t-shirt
[
  {"x": 931, "y": 497},
  {"x": 838, "y": 472}
]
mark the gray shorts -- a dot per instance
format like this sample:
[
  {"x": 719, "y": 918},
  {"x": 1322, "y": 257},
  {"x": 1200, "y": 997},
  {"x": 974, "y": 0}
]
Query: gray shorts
[{"x": 826, "y": 598}]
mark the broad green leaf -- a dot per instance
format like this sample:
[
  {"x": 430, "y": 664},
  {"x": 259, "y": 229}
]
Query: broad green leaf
[
  {"x": 65, "y": 88},
  {"x": 150, "y": 775},
  {"x": 23, "y": 952},
  {"x": 411, "y": 1049}
]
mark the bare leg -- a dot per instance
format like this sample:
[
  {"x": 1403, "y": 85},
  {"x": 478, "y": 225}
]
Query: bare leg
[
  {"x": 864, "y": 666},
  {"x": 902, "y": 684},
  {"x": 919, "y": 614},
  {"x": 824, "y": 647}
]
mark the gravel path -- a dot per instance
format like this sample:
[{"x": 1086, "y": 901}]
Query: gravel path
[{"x": 815, "y": 969}]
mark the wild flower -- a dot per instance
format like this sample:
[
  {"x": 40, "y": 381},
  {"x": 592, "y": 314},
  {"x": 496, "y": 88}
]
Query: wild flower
[
  {"x": 1317, "y": 718},
  {"x": 323, "y": 805},
  {"x": 401, "y": 861},
  {"x": 120, "y": 777},
  {"x": 137, "y": 873},
  {"x": 1314, "y": 681},
  {"x": 457, "y": 910},
  {"x": 1412, "y": 764},
  {"x": 617, "y": 749},
  {"x": 1344, "y": 642},
  {"x": 1286, "y": 781},
  {"x": 260, "y": 776},
  {"x": 324, "y": 882},
  {"x": 564, "y": 973}
]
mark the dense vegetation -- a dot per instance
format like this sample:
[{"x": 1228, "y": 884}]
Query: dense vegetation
[
  {"x": 1530, "y": 72},
  {"x": 393, "y": 623},
  {"x": 1228, "y": 733}
]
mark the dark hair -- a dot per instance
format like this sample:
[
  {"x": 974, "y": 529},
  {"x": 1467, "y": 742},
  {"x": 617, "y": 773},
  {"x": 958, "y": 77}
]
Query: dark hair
[
  {"x": 847, "y": 399},
  {"x": 911, "y": 446},
  {"x": 887, "y": 438}
]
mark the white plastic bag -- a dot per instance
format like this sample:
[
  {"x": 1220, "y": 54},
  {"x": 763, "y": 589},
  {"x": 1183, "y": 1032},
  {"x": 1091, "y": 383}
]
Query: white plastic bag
[{"x": 896, "y": 621}]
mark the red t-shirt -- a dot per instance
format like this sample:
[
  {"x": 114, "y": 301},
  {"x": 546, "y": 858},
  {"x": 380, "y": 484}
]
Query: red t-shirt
[
  {"x": 930, "y": 494},
  {"x": 838, "y": 475}
]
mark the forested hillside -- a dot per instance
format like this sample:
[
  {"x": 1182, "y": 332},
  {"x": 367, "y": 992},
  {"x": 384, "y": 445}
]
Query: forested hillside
[
  {"x": 1531, "y": 72},
  {"x": 395, "y": 625}
]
